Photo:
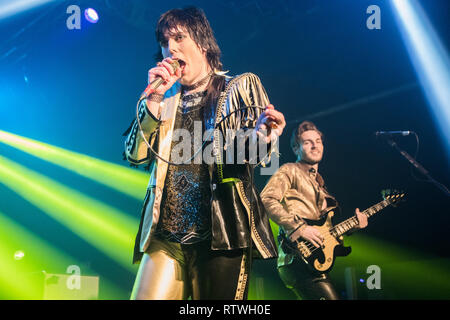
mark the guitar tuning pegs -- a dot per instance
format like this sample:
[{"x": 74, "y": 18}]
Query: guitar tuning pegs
[{"x": 386, "y": 193}]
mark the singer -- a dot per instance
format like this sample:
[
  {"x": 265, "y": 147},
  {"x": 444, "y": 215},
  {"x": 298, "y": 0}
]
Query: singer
[{"x": 202, "y": 224}]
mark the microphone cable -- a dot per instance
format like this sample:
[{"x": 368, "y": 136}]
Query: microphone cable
[{"x": 141, "y": 131}]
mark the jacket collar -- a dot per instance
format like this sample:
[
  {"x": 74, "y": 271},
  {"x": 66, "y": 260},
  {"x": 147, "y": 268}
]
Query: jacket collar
[{"x": 311, "y": 172}]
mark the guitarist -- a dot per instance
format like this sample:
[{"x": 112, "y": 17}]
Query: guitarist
[{"x": 297, "y": 192}]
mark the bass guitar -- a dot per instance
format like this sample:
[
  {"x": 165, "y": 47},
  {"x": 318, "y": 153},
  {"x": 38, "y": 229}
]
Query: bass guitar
[{"x": 322, "y": 259}]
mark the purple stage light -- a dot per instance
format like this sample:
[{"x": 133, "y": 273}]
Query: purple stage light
[{"x": 91, "y": 15}]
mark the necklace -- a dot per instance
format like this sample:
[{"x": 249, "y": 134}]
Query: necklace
[
  {"x": 192, "y": 101},
  {"x": 198, "y": 83}
]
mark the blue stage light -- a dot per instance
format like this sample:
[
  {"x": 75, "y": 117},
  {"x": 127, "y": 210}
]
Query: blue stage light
[
  {"x": 430, "y": 60},
  {"x": 10, "y": 8},
  {"x": 91, "y": 15}
]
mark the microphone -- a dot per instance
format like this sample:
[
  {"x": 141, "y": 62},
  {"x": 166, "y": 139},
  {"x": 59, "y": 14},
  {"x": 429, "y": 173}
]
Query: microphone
[
  {"x": 152, "y": 86},
  {"x": 393, "y": 133}
]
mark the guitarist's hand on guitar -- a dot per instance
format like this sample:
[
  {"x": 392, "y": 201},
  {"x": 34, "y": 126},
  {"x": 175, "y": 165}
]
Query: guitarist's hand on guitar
[
  {"x": 362, "y": 219},
  {"x": 328, "y": 238},
  {"x": 312, "y": 235}
]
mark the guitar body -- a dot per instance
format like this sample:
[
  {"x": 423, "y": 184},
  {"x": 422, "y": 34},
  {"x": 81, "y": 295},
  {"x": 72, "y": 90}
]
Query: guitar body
[
  {"x": 322, "y": 259},
  {"x": 318, "y": 259}
]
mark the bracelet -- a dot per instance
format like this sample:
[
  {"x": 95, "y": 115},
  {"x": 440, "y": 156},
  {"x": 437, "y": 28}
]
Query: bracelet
[{"x": 155, "y": 97}]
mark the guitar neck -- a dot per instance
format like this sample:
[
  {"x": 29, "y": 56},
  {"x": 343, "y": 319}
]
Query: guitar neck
[{"x": 352, "y": 222}]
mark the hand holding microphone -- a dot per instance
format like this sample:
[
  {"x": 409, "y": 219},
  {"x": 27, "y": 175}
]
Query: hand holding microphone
[{"x": 162, "y": 77}]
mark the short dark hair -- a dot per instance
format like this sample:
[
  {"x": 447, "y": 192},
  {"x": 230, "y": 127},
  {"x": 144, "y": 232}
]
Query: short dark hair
[
  {"x": 197, "y": 25},
  {"x": 296, "y": 134}
]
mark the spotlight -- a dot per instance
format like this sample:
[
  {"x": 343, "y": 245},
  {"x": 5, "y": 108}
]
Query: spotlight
[
  {"x": 91, "y": 15},
  {"x": 9, "y": 8},
  {"x": 430, "y": 60},
  {"x": 18, "y": 255}
]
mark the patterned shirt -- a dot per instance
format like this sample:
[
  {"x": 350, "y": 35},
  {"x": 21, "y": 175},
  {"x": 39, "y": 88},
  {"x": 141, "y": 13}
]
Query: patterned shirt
[{"x": 185, "y": 207}]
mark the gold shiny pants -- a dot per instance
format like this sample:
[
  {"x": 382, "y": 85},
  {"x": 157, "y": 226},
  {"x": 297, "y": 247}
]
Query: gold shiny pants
[{"x": 173, "y": 271}]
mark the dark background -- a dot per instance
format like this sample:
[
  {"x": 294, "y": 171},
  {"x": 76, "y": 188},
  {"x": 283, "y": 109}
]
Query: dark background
[{"x": 76, "y": 89}]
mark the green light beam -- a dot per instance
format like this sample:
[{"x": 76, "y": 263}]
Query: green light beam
[
  {"x": 424, "y": 272},
  {"x": 404, "y": 269},
  {"x": 369, "y": 250},
  {"x": 126, "y": 180},
  {"x": 103, "y": 226},
  {"x": 16, "y": 277},
  {"x": 14, "y": 285}
]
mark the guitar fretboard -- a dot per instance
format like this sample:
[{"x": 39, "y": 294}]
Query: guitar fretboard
[{"x": 352, "y": 222}]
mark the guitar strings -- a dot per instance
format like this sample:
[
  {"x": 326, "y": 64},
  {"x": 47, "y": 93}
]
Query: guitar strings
[
  {"x": 312, "y": 248},
  {"x": 326, "y": 236}
]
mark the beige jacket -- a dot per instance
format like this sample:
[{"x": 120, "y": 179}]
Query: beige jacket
[
  {"x": 247, "y": 91},
  {"x": 293, "y": 194}
]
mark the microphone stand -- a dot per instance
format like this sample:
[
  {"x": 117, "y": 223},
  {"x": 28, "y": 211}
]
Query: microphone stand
[{"x": 418, "y": 166}]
